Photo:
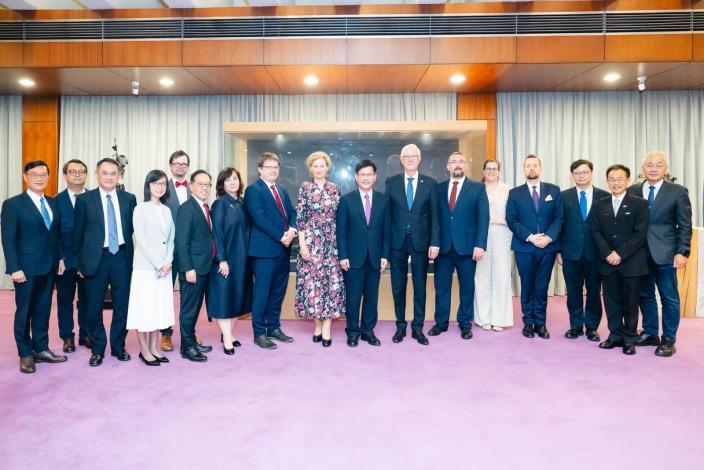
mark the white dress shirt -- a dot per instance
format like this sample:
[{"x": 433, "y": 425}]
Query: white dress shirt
[
  {"x": 589, "y": 194},
  {"x": 537, "y": 188},
  {"x": 616, "y": 202},
  {"x": 459, "y": 187},
  {"x": 646, "y": 189},
  {"x": 118, "y": 218},
  {"x": 414, "y": 183},
  {"x": 72, "y": 196},
  {"x": 181, "y": 192},
  {"x": 371, "y": 196},
  {"x": 36, "y": 199}
]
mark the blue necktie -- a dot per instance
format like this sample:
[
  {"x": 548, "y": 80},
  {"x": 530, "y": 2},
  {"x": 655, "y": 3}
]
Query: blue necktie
[
  {"x": 409, "y": 193},
  {"x": 113, "y": 243},
  {"x": 45, "y": 214},
  {"x": 536, "y": 199},
  {"x": 583, "y": 204},
  {"x": 651, "y": 197}
]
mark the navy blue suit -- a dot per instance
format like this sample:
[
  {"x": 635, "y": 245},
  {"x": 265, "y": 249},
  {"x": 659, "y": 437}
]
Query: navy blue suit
[
  {"x": 270, "y": 258},
  {"x": 67, "y": 283},
  {"x": 413, "y": 231},
  {"x": 101, "y": 268},
  {"x": 578, "y": 262},
  {"x": 534, "y": 264},
  {"x": 29, "y": 247},
  {"x": 461, "y": 230},
  {"x": 364, "y": 245}
]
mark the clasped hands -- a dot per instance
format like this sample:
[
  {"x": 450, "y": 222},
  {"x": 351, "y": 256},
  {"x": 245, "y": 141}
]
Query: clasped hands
[
  {"x": 540, "y": 240},
  {"x": 288, "y": 237}
]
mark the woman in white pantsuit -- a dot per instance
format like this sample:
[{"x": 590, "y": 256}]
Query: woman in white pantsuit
[{"x": 493, "y": 305}]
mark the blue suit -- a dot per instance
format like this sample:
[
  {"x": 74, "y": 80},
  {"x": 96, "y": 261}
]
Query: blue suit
[
  {"x": 461, "y": 230},
  {"x": 32, "y": 248},
  {"x": 534, "y": 264},
  {"x": 270, "y": 258}
]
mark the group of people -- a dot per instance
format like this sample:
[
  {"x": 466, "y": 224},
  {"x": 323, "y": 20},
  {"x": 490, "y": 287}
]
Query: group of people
[{"x": 234, "y": 255}]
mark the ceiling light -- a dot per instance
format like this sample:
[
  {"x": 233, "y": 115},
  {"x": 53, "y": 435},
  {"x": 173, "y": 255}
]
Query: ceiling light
[
  {"x": 612, "y": 77},
  {"x": 641, "y": 83},
  {"x": 457, "y": 78},
  {"x": 311, "y": 80},
  {"x": 166, "y": 81},
  {"x": 135, "y": 88},
  {"x": 26, "y": 82}
]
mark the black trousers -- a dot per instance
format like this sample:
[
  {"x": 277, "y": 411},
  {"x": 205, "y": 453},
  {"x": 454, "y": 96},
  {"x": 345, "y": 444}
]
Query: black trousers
[
  {"x": 362, "y": 283},
  {"x": 192, "y": 296},
  {"x": 399, "y": 280},
  {"x": 621, "y": 298},
  {"x": 33, "y": 302},
  {"x": 174, "y": 274},
  {"x": 578, "y": 275},
  {"x": 115, "y": 271},
  {"x": 66, "y": 286},
  {"x": 445, "y": 266}
]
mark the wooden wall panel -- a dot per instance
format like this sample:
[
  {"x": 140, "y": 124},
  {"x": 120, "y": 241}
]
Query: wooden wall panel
[
  {"x": 561, "y": 6},
  {"x": 388, "y": 51},
  {"x": 223, "y": 52},
  {"x": 491, "y": 139},
  {"x": 698, "y": 47},
  {"x": 142, "y": 53},
  {"x": 491, "y": 50},
  {"x": 648, "y": 48},
  {"x": 11, "y": 54},
  {"x": 557, "y": 49},
  {"x": 40, "y": 134},
  {"x": 476, "y": 106},
  {"x": 63, "y": 54},
  {"x": 305, "y": 51},
  {"x": 616, "y": 5}
]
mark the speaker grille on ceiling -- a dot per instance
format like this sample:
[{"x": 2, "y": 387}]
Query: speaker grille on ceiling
[
  {"x": 143, "y": 29},
  {"x": 648, "y": 22},
  {"x": 473, "y": 25},
  {"x": 388, "y": 25},
  {"x": 223, "y": 28},
  {"x": 311, "y": 26},
  {"x": 11, "y": 31},
  {"x": 561, "y": 24},
  {"x": 37, "y": 30}
]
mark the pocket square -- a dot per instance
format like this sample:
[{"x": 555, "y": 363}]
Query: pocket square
[
  {"x": 626, "y": 213},
  {"x": 548, "y": 198}
]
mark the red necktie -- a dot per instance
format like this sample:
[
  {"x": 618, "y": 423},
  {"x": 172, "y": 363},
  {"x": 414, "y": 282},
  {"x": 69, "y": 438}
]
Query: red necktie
[
  {"x": 280, "y": 205},
  {"x": 181, "y": 183},
  {"x": 453, "y": 196},
  {"x": 210, "y": 222}
]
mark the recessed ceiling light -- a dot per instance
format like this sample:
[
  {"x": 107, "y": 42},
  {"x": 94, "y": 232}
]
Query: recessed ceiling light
[
  {"x": 166, "y": 81},
  {"x": 457, "y": 78},
  {"x": 612, "y": 77},
  {"x": 26, "y": 82},
  {"x": 311, "y": 80}
]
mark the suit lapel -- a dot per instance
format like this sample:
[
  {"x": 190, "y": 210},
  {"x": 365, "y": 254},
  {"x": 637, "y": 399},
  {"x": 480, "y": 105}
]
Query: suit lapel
[
  {"x": 33, "y": 209},
  {"x": 359, "y": 207},
  {"x": 99, "y": 207},
  {"x": 461, "y": 195},
  {"x": 529, "y": 196}
]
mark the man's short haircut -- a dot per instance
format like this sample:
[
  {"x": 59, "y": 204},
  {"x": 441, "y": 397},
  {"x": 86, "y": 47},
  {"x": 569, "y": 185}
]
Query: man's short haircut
[
  {"x": 364, "y": 164},
  {"x": 112, "y": 161},
  {"x": 179, "y": 153},
  {"x": 35, "y": 164},
  {"x": 77, "y": 162},
  {"x": 200, "y": 172},
  {"x": 266, "y": 156},
  {"x": 617, "y": 167},
  {"x": 582, "y": 161}
]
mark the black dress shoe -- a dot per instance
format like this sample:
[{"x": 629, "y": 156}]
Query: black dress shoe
[
  {"x": 541, "y": 331},
  {"x": 629, "y": 349},
  {"x": 279, "y": 335},
  {"x": 95, "y": 360},
  {"x": 154, "y": 362},
  {"x": 193, "y": 355},
  {"x": 466, "y": 333},
  {"x": 573, "y": 333},
  {"x": 352, "y": 342},
  {"x": 528, "y": 331},
  {"x": 371, "y": 339},
  {"x": 436, "y": 330},
  {"x": 48, "y": 356},
  {"x": 593, "y": 335},
  {"x": 162, "y": 359},
  {"x": 420, "y": 337},
  {"x": 399, "y": 335},
  {"x": 317, "y": 338},
  {"x": 327, "y": 343},
  {"x": 608, "y": 344},
  {"x": 264, "y": 342},
  {"x": 647, "y": 340},
  {"x": 666, "y": 349},
  {"x": 27, "y": 365},
  {"x": 229, "y": 352},
  {"x": 123, "y": 355},
  {"x": 85, "y": 342},
  {"x": 69, "y": 345},
  {"x": 236, "y": 343},
  {"x": 203, "y": 348}
]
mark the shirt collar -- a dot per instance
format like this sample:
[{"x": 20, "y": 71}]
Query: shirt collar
[
  {"x": 104, "y": 193},
  {"x": 35, "y": 197},
  {"x": 657, "y": 185},
  {"x": 415, "y": 177}
]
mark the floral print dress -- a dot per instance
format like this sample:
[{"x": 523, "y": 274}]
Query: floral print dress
[{"x": 320, "y": 289}]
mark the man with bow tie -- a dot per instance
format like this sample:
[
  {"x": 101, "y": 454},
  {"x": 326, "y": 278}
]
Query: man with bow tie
[{"x": 534, "y": 214}]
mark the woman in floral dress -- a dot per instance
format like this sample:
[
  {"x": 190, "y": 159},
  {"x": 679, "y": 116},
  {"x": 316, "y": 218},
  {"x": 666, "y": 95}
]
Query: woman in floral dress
[{"x": 320, "y": 293}]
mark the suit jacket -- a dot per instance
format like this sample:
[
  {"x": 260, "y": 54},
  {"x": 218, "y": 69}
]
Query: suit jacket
[
  {"x": 154, "y": 240},
  {"x": 194, "y": 238},
  {"x": 468, "y": 225},
  {"x": 267, "y": 223},
  {"x": 670, "y": 230},
  {"x": 89, "y": 229},
  {"x": 576, "y": 240},
  {"x": 625, "y": 234},
  {"x": 422, "y": 218},
  {"x": 26, "y": 242},
  {"x": 523, "y": 220},
  {"x": 357, "y": 241},
  {"x": 172, "y": 200}
]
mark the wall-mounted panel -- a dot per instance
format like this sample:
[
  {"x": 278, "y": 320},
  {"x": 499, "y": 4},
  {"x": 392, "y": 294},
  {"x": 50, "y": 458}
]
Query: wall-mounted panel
[
  {"x": 333, "y": 79},
  {"x": 63, "y": 54},
  {"x": 455, "y": 50},
  {"x": 698, "y": 47},
  {"x": 305, "y": 51},
  {"x": 624, "y": 5},
  {"x": 142, "y": 53},
  {"x": 223, "y": 52},
  {"x": 648, "y": 48},
  {"x": 388, "y": 51},
  {"x": 557, "y": 49},
  {"x": 11, "y": 54},
  {"x": 366, "y": 78},
  {"x": 40, "y": 134}
]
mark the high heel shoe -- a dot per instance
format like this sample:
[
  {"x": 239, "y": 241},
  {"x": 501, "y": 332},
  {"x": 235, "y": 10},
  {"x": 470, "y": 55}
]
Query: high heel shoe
[
  {"x": 155, "y": 362},
  {"x": 229, "y": 352},
  {"x": 327, "y": 342},
  {"x": 235, "y": 342},
  {"x": 317, "y": 338},
  {"x": 162, "y": 359}
]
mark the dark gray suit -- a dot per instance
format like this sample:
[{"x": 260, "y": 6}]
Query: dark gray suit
[{"x": 173, "y": 205}]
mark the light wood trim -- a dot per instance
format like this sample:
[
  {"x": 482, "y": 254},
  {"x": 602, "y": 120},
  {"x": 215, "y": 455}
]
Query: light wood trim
[
  {"x": 648, "y": 48},
  {"x": 142, "y": 53},
  {"x": 624, "y": 5},
  {"x": 559, "y": 49},
  {"x": 352, "y": 126},
  {"x": 223, "y": 52},
  {"x": 40, "y": 134},
  {"x": 388, "y": 51},
  {"x": 698, "y": 47},
  {"x": 687, "y": 279},
  {"x": 490, "y": 50},
  {"x": 11, "y": 54},
  {"x": 63, "y": 54},
  {"x": 305, "y": 51},
  {"x": 476, "y": 106},
  {"x": 491, "y": 139},
  {"x": 560, "y": 6}
]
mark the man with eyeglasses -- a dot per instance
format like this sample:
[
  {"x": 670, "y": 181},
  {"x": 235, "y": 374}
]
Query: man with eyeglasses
[
  {"x": 273, "y": 230},
  {"x": 667, "y": 250},
  {"x": 75, "y": 174},
  {"x": 30, "y": 240},
  {"x": 577, "y": 254}
]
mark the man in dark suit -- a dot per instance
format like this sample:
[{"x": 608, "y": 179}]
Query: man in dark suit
[
  {"x": 415, "y": 233},
  {"x": 463, "y": 213},
  {"x": 103, "y": 252},
  {"x": 273, "y": 229},
  {"x": 534, "y": 214},
  {"x": 179, "y": 192},
  {"x": 30, "y": 240},
  {"x": 619, "y": 226},
  {"x": 577, "y": 253},
  {"x": 75, "y": 173},
  {"x": 196, "y": 245},
  {"x": 363, "y": 241},
  {"x": 667, "y": 249}
]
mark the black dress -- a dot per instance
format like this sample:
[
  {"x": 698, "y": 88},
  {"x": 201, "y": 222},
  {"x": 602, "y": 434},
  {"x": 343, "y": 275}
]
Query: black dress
[{"x": 230, "y": 297}]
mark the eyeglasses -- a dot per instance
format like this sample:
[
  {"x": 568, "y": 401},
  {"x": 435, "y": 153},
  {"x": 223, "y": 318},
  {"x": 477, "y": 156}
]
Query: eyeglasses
[
  {"x": 365, "y": 175},
  {"x": 271, "y": 167},
  {"x": 179, "y": 164},
  {"x": 76, "y": 172},
  {"x": 410, "y": 157},
  {"x": 457, "y": 162},
  {"x": 581, "y": 173},
  {"x": 37, "y": 176},
  {"x": 616, "y": 180},
  {"x": 204, "y": 185},
  {"x": 653, "y": 166},
  {"x": 160, "y": 184},
  {"x": 491, "y": 169}
]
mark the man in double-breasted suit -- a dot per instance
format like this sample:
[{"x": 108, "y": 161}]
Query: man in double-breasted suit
[
  {"x": 415, "y": 234},
  {"x": 463, "y": 213},
  {"x": 667, "y": 249},
  {"x": 103, "y": 253},
  {"x": 619, "y": 225},
  {"x": 534, "y": 214},
  {"x": 30, "y": 223},
  {"x": 363, "y": 241}
]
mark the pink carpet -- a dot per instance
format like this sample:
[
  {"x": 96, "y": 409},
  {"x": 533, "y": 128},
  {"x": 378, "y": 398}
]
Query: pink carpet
[{"x": 498, "y": 401}]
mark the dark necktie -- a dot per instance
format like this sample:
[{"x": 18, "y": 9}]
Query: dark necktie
[
  {"x": 651, "y": 196},
  {"x": 279, "y": 205},
  {"x": 583, "y": 204},
  {"x": 536, "y": 199},
  {"x": 453, "y": 195},
  {"x": 409, "y": 193},
  {"x": 206, "y": 208}
]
